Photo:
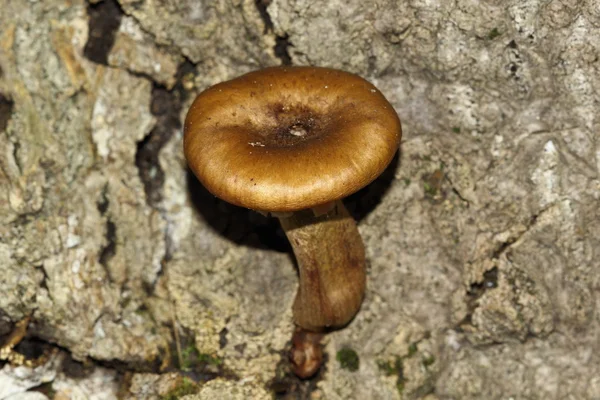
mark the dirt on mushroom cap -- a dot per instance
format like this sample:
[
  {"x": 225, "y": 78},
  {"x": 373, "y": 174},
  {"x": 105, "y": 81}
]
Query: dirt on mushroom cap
[{"x": 290, "y": 138}]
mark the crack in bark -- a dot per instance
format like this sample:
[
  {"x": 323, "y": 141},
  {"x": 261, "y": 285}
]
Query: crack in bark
[
  {"x": 490, "y": 277},
  {"x": 282, "y": 43},
  {"x": 15, "y": 153},
  {"x": 34, "y": 347},
  {"x": 109, "y": 251},
  {"x": 45, "y": 279},
  {"x": 110, "y": 233},
  {"x": 504, "y": 246},
  {"x": 6, "y": 108},
  {"x": 166, "y": 106},
  {"x": 223, "y": 338},
  {"x": 474, "y": 293},
  {"x": 104, "y": 21},
  {"x": 457, "y": 192},
  {"x": 261, "y": 6}
]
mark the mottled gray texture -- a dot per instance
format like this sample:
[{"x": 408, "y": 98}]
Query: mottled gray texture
[
  {"x": 482, "y": 241},
  {"x": 147, "y": 58},
  {"x": 233, "y": 390},
  {"x": 68, "y": 171}
]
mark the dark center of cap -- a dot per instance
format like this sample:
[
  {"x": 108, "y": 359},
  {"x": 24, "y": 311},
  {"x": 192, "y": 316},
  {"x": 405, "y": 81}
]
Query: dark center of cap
[{"x": 294, "y": 125}]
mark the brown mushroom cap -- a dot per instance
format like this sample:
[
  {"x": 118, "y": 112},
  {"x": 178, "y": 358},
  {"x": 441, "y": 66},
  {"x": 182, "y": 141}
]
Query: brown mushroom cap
[{"x": 290, "y": 138}]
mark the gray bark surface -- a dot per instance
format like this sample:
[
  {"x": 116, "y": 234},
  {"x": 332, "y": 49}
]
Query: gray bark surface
[{"x": 483, "y": 238}]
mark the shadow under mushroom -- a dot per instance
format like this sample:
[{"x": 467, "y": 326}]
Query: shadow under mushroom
[{"x": 249, "y": 228}]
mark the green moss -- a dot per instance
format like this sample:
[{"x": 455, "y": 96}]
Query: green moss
[
  {"x": 429, "y": 190},
  {"x": 494, "y": 33},
  {"x": 429, "y": 360},
  {"x": 210, "y": 359},
  {"x": 391, "y": 368},
  {"x": 189, "y": 356},
  {"x": 406, "y": 181},
  {"x": 412, "y": 349},
  {"x": 400, "y": 386},
  {"x": 456, "y": 129},
  {"x": 395, "y": 368},
  {"x": 186, "y": 387},
  {"x": 348, "y": 359}
]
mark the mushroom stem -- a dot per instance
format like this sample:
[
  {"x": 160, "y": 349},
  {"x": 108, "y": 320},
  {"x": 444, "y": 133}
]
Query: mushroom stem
[{"x": 331, "y": 260}]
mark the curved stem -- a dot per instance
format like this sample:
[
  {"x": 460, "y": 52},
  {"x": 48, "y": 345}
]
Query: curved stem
[{"x": 331, "y": 260}]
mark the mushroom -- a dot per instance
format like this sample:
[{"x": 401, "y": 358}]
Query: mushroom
[{"x": 293, "y": 142}]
